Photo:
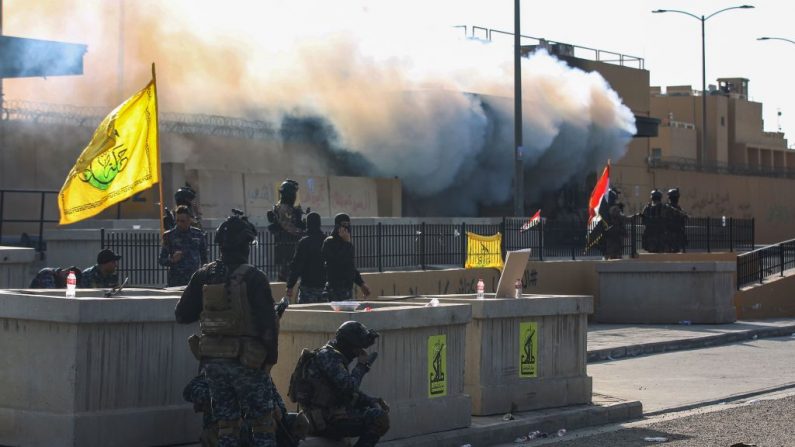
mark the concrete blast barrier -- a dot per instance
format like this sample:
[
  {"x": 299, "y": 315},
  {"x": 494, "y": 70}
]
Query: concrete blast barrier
[
  {"x": 666, "y": 292},
  {"x": 94, "y": 371},
  {"x": 408, "y": 369},
  {"x": 525, "y": 354}
]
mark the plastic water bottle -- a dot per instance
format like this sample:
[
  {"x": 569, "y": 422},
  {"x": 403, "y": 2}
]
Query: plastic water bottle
[
  {"x": 518, "y": 286},
  {"x": 71, "y": 284},
  {"x": 481, "y": 289}
]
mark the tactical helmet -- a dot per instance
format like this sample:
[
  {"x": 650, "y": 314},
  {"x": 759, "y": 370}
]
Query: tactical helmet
[
  {"x": 235, "y": 231},
  {"x": 656, "y": 195},
  {"x": 313, "y": 221},
  {"x": 673, "y": 193},
  {"x": 355, "y": 335},
  {"x": 612, "y": 195},
  {"x": 184, "y": 195},
  {"x": 340, "y": 218},
  {"x": 288, "y": 186}
]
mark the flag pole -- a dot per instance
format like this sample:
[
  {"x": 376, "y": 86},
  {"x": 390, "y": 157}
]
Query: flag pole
[{"x": 159, "y": 170}]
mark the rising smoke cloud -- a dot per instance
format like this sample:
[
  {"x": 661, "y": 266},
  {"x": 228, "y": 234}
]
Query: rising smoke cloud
[{"x": 426, "y": 105}]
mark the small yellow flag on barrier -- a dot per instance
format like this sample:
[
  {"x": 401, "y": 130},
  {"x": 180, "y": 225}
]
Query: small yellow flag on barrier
[{"x": 484, "y": 251}]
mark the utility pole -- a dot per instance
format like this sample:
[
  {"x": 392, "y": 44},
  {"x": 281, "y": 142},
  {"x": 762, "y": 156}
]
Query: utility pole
[{"x": 518, "y": 177}]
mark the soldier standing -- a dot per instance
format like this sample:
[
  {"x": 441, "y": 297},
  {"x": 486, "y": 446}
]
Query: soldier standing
[
  {"x": 675, "y": 220},
  {"x": 286, "y": 226},
  {"x": 238, "y": 342},
  {"x": 337, "y": 253},
  {"x": 184, "y": 249},
  {"x": 307, "y": 264},
  {"x": 103, "y": 274},
  {"x": 654, "y": 226},
  {"x": 615, "y": 232},
  {"x": 329, "y": 394},
  {"x": 183, "y": 197}
]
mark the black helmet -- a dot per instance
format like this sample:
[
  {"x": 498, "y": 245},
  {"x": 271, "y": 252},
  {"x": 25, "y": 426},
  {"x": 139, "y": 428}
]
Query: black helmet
[
  {"x": 288, "y": 186},
  {"x": 184, "y": 195},
  {"x": 340, "y": 218},
  {"x": 673, "y": 193},
  {"x": 355, "y": 335},
  {"x": 656, "y": 195},
  {"x": 612, "y": 195},
  {"x": 313, "y": 221},
  {"x": 235, "y": 231}
]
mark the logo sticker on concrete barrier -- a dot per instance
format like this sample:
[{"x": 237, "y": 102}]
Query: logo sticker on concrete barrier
[
  {"x": 437, "y": 365},
  {"x": 528, "y": 349}
]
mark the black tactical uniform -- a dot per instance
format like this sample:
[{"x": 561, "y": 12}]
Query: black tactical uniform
[
  {"x": 239, "y": 336},
  {"x": 615, "y": 232},
  {"x": 307, "y": 263},
  {"x": 329, "y": 394},
  {"x": 675, "y": 220},
  {"x": 654, "y": 226},
  {"x": 341, "y": 273}
]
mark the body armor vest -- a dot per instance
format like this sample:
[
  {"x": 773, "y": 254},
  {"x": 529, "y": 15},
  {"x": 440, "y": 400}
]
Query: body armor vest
[{"x": 226, "y": 327}]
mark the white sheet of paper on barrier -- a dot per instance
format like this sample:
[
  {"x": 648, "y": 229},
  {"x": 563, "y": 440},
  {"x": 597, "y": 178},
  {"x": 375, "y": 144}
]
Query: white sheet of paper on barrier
[{"x": 515, "y": 265}]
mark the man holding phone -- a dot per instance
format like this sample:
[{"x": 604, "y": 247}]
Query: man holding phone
[{"x": 337, "y": 254}]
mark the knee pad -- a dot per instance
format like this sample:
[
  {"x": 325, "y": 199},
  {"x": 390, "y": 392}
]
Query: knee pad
[
  {"x": 263, "y": 424},
  {"x": 377, "y": 421},
  {"x": 229, "y": 428}
]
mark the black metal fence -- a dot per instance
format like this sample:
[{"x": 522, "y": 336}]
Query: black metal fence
[
  {"x": 383, "y": 246},
  {"x": 45, "y": 198},
  {"x": 765, "y": 262}
]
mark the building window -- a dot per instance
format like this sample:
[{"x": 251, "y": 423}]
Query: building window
[
  {"x": 722, "y": 121},
  {"x": 656, "y": 153}
]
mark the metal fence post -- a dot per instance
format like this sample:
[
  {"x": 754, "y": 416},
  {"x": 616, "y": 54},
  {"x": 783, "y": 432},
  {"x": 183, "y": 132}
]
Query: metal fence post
[
  {"x": 753, "y": 233},
  {"x": 731, "y": 234},
  {"x": 709, "y": 233},
  {"x": 634, "y": 235},
  {"x": 781, "y": 257},
  {"x": 422, "y": 245},
  {"x": 102, "y": 238},
  {"x": 2, "y": 203},
  {"x": 541, "y": 239},
  {"x": 41, "y": 227},
  {"x": 463, "y": 244},
  {"x": 504, "y": 239},
  {"x": 378, "y": 239}
]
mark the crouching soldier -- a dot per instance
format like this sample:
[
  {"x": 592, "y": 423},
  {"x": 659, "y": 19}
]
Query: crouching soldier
[{"x": 329, "y": 394}]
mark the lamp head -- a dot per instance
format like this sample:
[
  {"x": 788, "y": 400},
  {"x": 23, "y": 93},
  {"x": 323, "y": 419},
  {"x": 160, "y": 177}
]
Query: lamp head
[{"x": 658, "y": 11}]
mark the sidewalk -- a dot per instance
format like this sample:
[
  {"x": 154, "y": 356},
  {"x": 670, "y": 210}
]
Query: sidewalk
[{"x": 614, "y": 341}]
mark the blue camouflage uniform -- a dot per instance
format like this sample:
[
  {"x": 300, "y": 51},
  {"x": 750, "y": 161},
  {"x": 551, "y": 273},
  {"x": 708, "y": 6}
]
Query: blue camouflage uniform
[
  {"x": 46, "y": 279},
  {"x": 193, "y": 245},
  {"x": 92, "y": 278},
  {"x": 350, "y": 412}
]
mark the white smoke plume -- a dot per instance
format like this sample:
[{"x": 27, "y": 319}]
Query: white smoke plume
[{"x": 425, "y": 105}]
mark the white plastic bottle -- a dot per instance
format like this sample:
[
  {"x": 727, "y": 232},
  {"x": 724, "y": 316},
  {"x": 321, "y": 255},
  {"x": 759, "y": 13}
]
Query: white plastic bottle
[
  {"x": 71, "y": 284},
  {"x": 518, "y": 286},
  {"x": 481, "y": 289}
]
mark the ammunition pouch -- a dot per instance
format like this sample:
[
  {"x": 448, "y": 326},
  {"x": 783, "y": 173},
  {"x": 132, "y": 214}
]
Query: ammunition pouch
[
  {"x": 229, "y": 428},
  {"x": 218, "y": 318},
  {"x": 219, "y": 347},
  {"x": 263, "y": 424},
  {"x": 252, "y": 353},
  {"x": 300, "y": 426}
]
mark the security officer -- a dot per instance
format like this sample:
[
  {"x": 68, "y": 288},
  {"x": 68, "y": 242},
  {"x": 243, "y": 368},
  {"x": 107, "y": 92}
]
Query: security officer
[
  {"x": 286, "y": 225},
  {"x": 238, "y": 342},
  {"x": 103, "y": 274},
  {"x": 654, "y": 226},
  {"x": 184, "y": 249},
  {"x": 675, "y": 220},
  {"x": 329, "y": 394},
  {"x": 615, "y": 232},
  {"x": 53, "y": 277},
  {"x": 183, "y": 197},
  {"x": 337, "y": 253},
  {"x": 307, "y": 264}
]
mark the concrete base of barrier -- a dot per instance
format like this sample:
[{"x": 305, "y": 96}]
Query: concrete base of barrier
[
  {"x": 401, "y": 374},
  {"x": 666, "y": 292},
  {"x": 15, "y": 265}
]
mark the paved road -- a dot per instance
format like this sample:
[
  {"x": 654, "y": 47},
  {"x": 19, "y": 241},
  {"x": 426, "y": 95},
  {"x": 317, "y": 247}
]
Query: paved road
[
  {"x": 765, "y": 422},
  {"x": 683, "y": 378}
]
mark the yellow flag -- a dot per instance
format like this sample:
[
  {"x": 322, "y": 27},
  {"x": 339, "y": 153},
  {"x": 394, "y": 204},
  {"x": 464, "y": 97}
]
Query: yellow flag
[
  {"x": 484, "y": 251},
  {"x": 120, "y": 161}
]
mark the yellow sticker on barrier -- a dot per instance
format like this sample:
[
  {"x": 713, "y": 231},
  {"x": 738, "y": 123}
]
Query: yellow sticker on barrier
[
  {"x": 528, "y": 349},
  {"x": 437, "y": 366}
]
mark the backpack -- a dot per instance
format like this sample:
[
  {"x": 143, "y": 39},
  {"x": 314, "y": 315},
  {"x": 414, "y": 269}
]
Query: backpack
[{"x": 301, "y": 389}]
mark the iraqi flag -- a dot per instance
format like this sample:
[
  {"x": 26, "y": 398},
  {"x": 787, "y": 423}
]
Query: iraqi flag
[
  {"x": 597, "y": 204},
  {"x": 532, "y": 222}
]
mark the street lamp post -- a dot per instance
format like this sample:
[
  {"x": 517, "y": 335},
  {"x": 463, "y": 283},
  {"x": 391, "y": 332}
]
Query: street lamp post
[
  {"x": 518, "y": 177},
  {"x": 776, "y": 38},
  {"x": 703, "y": 152}
]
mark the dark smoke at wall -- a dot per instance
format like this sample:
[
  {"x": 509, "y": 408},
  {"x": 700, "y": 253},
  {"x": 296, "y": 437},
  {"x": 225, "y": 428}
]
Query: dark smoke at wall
[{"x": 429, "y": 107}]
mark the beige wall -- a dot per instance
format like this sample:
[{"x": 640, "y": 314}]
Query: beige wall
[
  {"x": 631, "y": 84},
  {"x": 675, "y": 140},
  {"x": 774, "y": 299}
]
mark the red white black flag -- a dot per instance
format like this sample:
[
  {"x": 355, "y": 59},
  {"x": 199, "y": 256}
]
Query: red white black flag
[{"x": 532, "y": 222}]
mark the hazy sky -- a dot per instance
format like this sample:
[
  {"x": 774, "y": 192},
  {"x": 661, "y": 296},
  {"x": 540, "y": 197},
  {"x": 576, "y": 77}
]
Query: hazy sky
[{"x": 669, "y": 43}]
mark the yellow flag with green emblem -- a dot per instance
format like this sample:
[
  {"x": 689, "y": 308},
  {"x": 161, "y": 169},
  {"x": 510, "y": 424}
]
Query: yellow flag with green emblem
[{"x": 120, "y": 161}]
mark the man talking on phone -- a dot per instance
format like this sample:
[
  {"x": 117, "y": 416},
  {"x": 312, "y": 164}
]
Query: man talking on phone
[{"x": 337, "y": 254}]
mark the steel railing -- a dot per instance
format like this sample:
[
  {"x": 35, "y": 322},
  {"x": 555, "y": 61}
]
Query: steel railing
[{"x": 772, "y": 260}]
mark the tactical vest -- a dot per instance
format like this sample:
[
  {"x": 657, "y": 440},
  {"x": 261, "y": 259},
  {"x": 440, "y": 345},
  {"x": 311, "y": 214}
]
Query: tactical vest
[
  {"x": 310, "y": 391},
  {"x": 225, "y": 324}
]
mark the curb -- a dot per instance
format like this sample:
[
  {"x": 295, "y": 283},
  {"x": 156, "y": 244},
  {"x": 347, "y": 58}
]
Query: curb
[
  {"x": 489, "y": 433},
  {"x": 691, "y": 343}
]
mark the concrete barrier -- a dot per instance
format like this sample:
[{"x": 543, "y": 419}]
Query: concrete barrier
[
  {"x": 403, "y": 373},
  {"x": 94, "y": 371},
  {"x": 666, "y": 292},
  {"x": 500, "y": 376},
  {"x": 15, "y": 266}
]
